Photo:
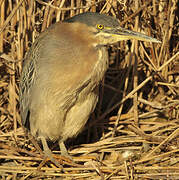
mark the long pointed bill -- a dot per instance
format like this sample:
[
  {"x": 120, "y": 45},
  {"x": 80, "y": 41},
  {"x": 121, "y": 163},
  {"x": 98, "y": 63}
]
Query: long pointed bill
[{"x": 125, "y": 34}]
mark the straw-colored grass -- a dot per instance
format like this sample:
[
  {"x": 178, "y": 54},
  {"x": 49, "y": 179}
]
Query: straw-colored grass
[{"x": 134, "y": 132}]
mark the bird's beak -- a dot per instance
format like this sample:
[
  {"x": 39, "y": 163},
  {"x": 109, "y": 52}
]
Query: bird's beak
[{"x": 125, "y": 34}]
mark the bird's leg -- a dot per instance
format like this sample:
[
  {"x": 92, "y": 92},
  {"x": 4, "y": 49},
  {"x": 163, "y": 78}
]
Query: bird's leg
[
  {"x": 63, "y": 149},
  {"x": 48, "y": 152}
]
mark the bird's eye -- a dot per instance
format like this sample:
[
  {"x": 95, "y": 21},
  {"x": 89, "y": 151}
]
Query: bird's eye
[{"x": 100, "y": 26}]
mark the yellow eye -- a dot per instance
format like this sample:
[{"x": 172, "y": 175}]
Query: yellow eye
[{"x": 100, "y": 26}]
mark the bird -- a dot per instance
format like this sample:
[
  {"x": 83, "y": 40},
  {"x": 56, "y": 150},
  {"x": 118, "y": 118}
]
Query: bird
[{"x": 61, "y": 73}]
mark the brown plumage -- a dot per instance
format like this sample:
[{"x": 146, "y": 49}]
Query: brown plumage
[{"x": 61, "y": 74}]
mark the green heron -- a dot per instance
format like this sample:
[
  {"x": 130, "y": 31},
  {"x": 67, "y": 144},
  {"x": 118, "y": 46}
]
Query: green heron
[{"x": 61, "y": 75}]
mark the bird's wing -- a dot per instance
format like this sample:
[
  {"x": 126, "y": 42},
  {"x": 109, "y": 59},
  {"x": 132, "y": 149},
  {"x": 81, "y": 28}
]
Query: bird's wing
[{"x": 26, "y": 83}]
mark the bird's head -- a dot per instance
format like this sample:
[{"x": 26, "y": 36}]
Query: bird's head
[{"x": 106, "y": 29}]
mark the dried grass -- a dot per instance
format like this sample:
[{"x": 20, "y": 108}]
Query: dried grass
[{"x": 134, "y": 132}]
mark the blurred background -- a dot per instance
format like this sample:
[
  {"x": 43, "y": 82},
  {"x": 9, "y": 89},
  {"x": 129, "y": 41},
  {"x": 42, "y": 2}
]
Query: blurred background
[{"x": 134, "y": 131}]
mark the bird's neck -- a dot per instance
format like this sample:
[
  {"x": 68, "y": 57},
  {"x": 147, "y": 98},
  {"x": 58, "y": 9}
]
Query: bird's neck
[{"x": 101, "y": 65}]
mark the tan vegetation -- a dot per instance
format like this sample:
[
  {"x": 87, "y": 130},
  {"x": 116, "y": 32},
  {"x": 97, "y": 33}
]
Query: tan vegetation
[{"x": 134, "y": 132}]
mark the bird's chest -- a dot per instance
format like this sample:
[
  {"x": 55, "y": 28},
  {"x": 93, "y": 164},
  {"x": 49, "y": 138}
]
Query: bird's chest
[{"x": 91, "y": 84}]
